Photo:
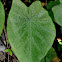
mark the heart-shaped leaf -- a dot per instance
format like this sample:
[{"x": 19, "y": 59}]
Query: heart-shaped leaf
[
  {"x": 57, "y": 11},
  {"x": 2, "y": 17},
  {"x": 30, "y": 30}
]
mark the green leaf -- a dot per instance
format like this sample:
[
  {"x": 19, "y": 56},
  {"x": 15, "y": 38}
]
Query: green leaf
[
  {"x": 60, "y": 43},
  {"x": 2, "y": 17},
  {"x": 7, "y": 50},
  {"x": 50, "y": 55},
  {"x": 30, "y": 30},
  {"x": 51, "y": 4},
  {"x": 11, "y": 49},
  {"x": 51, "y": 14},
  {"x": 10, "y": 53},
  {"x": 8, "y": 41},
  {"x": 29, "y": 1},
  {"x": 61, "y": 29},
  {"x": 57, "y": 11}
]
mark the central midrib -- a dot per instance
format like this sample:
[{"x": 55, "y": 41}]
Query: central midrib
[{"x": 29, "y": 39}]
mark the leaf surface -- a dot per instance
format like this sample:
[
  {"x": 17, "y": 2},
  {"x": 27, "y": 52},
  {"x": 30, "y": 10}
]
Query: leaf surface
[
  {"x": 2, "y": 17},
  {"x": 30, "y": 30},
  {"x": 51, "y": 4},
  {"x": 57, "y": 11}
]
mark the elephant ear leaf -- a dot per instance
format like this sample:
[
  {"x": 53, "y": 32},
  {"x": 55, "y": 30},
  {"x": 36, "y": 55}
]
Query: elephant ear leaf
[
  {"x": 2, "y": 17},
  {"x": 30, "y": 30},
  {"x": 57, "y": 11}
]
